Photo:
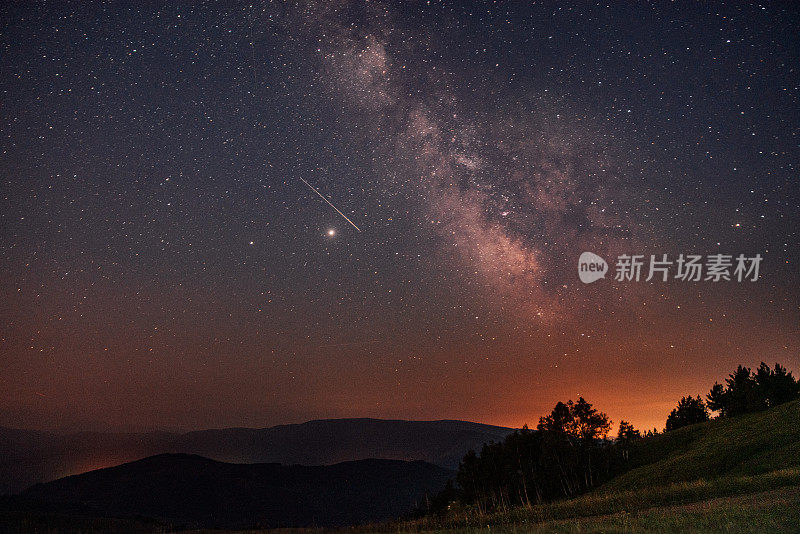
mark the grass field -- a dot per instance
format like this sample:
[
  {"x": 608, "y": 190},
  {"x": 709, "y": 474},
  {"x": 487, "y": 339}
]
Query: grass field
[
  {"x": 771, "y": 511},
  {"x": 726, "y": 504}
]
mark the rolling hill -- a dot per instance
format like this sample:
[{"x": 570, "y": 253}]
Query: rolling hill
[
  {"x": 192, "y": 491},
  {"x": 726, "y": 475},
  {"x": 28, "y": 457}
]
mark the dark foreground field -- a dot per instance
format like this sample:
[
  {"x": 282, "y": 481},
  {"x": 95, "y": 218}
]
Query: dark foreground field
[
  {"x": 763, "y": 503},
  {"x": 776, "y": 510}
]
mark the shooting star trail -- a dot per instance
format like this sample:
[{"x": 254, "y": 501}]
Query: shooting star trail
[{"x": 330, "y": 204}]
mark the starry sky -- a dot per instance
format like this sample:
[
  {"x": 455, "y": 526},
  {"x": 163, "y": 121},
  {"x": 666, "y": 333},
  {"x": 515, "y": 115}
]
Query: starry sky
[{"x": 248, "y": 214}]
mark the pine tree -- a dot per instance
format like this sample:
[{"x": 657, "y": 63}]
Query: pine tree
[{"x": 690, "y": 410}]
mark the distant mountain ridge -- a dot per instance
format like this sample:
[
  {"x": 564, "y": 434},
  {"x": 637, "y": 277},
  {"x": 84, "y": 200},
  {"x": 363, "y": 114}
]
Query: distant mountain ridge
[
  {"x": 28, "y": 457},
  {"x": 192, "y": 491},
  {"x": 328, "y": 441}
]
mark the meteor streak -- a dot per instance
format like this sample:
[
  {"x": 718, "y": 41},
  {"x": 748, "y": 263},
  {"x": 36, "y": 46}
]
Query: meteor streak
[{"x": 330, "y": 204}]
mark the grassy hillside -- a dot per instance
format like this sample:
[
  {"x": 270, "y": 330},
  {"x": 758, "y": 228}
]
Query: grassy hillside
[
  {"x": 731, "y": 475},
  {"x": 748, "y": 445}
]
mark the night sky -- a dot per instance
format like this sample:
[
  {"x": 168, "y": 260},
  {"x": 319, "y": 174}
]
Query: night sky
[{"x": 165, "y": 262}]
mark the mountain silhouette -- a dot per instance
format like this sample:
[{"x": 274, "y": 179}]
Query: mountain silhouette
[
  {"x": 192, "y": 491},
  {"x": 28, "y": 457}
]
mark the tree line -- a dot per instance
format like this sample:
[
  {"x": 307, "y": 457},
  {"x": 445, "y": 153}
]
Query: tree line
[
  {"x": 570, "y": 450},
  {"x": 744, "y": 391},
  {"x": 566, "y": 455}
]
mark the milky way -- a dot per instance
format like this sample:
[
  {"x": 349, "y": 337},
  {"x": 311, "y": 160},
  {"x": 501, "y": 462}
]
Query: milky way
[{"x": 513, "y": 194}]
